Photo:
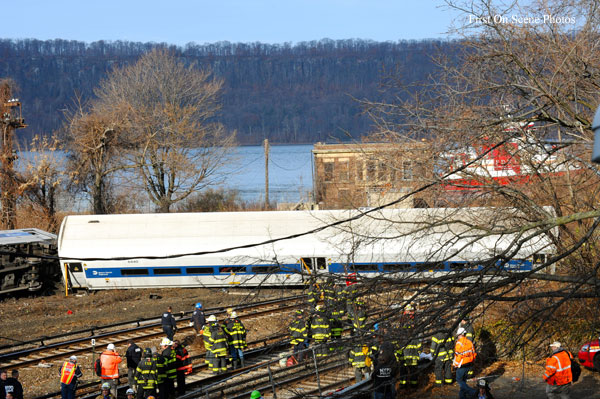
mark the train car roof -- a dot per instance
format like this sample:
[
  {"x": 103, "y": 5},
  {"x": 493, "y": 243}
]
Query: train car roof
[
  {"x": 26, "y": 236},
  {"x": 146, "y": 235}
]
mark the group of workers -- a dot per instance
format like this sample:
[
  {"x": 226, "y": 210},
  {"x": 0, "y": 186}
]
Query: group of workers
[{"x": 389, "y": 355}]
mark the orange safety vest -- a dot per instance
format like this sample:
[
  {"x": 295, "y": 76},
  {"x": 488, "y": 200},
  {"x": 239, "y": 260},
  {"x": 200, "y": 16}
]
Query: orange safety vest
[
  {"x": 464, "y": 352},
  {"x": 110, "y": 365},
  {"x": 67, "y": 372},
  {"x": 558, "y": 369}
]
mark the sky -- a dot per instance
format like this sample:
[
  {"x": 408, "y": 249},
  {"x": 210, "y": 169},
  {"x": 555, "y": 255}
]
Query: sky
[{"x": 208, "y": 21}]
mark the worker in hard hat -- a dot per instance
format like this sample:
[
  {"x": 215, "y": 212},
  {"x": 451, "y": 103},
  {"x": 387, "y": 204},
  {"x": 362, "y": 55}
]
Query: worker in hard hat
[
  {"x": 105, "y": 389},
  {"x": 198, "y": 319},
  {"x": 319, "y": 327},
  {"x": 464, "y": 356},
  {"x": 169, "y": 373},
  {"x": 236, "y": 339},
  {"x": 215, "y": 342},
  {"x": 110, "y": 359}
]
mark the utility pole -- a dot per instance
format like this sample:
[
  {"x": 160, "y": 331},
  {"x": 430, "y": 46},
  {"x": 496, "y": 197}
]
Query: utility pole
[
  {"x": 266, "y": 143},
  {"x": 11, "y": 119}
]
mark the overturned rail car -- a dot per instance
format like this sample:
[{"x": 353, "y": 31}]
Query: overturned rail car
[{"x": 27, "y": 260}]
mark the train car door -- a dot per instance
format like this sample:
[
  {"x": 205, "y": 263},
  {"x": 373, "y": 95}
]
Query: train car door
[{"x": 313, "y": 267}]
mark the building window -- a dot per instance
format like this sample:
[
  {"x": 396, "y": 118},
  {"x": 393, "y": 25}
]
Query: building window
[
  {"x": 371, "y": 170},
  {"x": 407, "y": 170},
  {"x": 328, "y": 171},
  {"x": 382, "y": 172},
  {"x": 360, "y": 175},
  {"x": 343, "y": 196},
  {"x": 344, "y": 170}
]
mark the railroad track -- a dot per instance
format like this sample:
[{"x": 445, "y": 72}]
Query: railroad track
[{"x": 142, "y": 331}]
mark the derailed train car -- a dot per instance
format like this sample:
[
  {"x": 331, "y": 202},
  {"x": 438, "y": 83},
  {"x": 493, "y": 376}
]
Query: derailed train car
[
  {"x": 285, "y": 247},
  {"x": 27, "y": 260}
]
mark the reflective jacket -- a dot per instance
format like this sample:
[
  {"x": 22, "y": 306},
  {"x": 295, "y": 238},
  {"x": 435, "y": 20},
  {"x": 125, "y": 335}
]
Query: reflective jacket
[
  {"x": 161, "y": 370},
  {"x": 358, "y": 316},
  {"x": 183, "y": 360},
  {"x": 443, "y": 344},
  {"x": 215, "y": 340},
  {"x": 110, "y": 365},
  {"x": 236, "y": 333},
  {"x": 558, "y": 368},
  {"x": 146, "y": 373},
  {"x": 411, "y": 352},
  {"x": 464, "y": 352},
  {"x": 358, "y": 356},
  {"x": 170, "y": 368},
  {"x": 319, "y": 328},
  {"x": 298, "y": 331},
  {"x": 69, "y": 372}
]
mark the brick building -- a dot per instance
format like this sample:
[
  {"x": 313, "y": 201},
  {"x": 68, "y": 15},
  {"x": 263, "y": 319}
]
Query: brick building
[{"x": 372, "y": 174}]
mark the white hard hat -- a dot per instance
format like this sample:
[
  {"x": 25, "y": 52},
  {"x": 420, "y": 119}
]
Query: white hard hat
[
  {"x": 166, "y": 342},
  {"x": 130, "y": 392},
  {"x": 212, "y": 317},
  {"x": 233, "y": 315},
  {"x": 110, "y": 347},
  {"x": 556, "y": 343},
  {"x": 73, "y": 359},
  {"x": 461, "y": 331}
]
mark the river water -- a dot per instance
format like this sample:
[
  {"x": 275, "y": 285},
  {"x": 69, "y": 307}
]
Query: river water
[{"x": 290, "y": 176}]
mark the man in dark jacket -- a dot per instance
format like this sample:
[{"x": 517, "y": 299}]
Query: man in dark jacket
[
  {"x": 133, "y": 355},
  {"x": 13, "y": 382},
  {"x": 168, "y": 323},
  {"x": 198, "y": 319}
]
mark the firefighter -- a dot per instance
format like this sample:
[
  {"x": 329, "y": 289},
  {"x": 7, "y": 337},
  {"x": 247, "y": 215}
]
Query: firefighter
[
  {"x": 161, "y": 371},
  {"x": 182, "y": 364},
  {"x": 299, "y": 333},
  {"x": 236, "y": 339},
  {"x": 464, "y": 356},
  {"x": 105, "y": 389},
  {"x": 359, "y": 357},
  {"x": 69, "y": 374},
  {"x": 336, "y": 327},
  {"x": 357, "y": 315},
  {"x": 215, "y": 342},
  {"x": 314, "y": 293},
  {"x": 411, "y": 361},
  {"x": 167, "y": 389},
  {"x": 442, "y": 349},
  {"x": 320, "y": 331},
  {"x": 146, "y": 375}
]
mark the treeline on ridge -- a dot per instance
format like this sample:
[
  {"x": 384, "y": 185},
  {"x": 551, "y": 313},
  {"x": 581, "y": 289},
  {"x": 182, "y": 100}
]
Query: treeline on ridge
[{"x": 299, "y": 93}]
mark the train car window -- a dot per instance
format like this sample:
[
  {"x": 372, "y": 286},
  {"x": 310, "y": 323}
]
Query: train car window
[
  {"x": 321, "y": 264},
  {"x": 397, "y": 267},
  {"x": 134, "y": 272},
  {"x": 232, "y": 269},
  {"x": 306, "y": 263},
  {"x": 539, "y": 259},
  {"x": 457, "y": 265},
  {"x": 369, "y": 267},
  {"x": 167, "y": 270},
  {"x": 75, "y": 267},
  {"x": 265, "y": 269},
  {"x": 426, "y": 266},
  {"x": 200, "y": 270}
]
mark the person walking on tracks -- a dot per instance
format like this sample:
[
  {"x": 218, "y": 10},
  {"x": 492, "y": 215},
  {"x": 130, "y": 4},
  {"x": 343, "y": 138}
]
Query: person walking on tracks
[
  {"x": 109, "y": 360},
  {"x": 236, "y": 339},
  {"x": 168, "y": 323},
  {"x": 464, "y": 356},
  {"x": 198, "y": 319},
  {"x": 146, "y": 376},
  {"x": 558, "y": 373},
  {"x": 69, "y": 374},
  {"x": 215, "y": 342}
]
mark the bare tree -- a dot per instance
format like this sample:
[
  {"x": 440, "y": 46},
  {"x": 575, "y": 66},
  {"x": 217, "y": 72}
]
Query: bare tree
[
  {"x": 95, "y": 143},
  {"x": 508, "y": 128},
  {"x": 44, "y": 174},
  {"x": 170, "y": 117}
]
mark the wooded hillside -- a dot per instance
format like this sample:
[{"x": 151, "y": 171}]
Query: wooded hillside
[{"x": 289, "y": 94}]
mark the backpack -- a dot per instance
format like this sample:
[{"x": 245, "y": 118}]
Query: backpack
[
  {"x": 575, "y": 370},
  {"x": 98, "y": 367}
]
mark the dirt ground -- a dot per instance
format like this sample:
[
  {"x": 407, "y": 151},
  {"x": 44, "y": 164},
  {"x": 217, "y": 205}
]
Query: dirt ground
[{"x": 29, "y": 318}]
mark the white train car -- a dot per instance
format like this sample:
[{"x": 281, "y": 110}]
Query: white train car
[{"x": 271, "y": 249}]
